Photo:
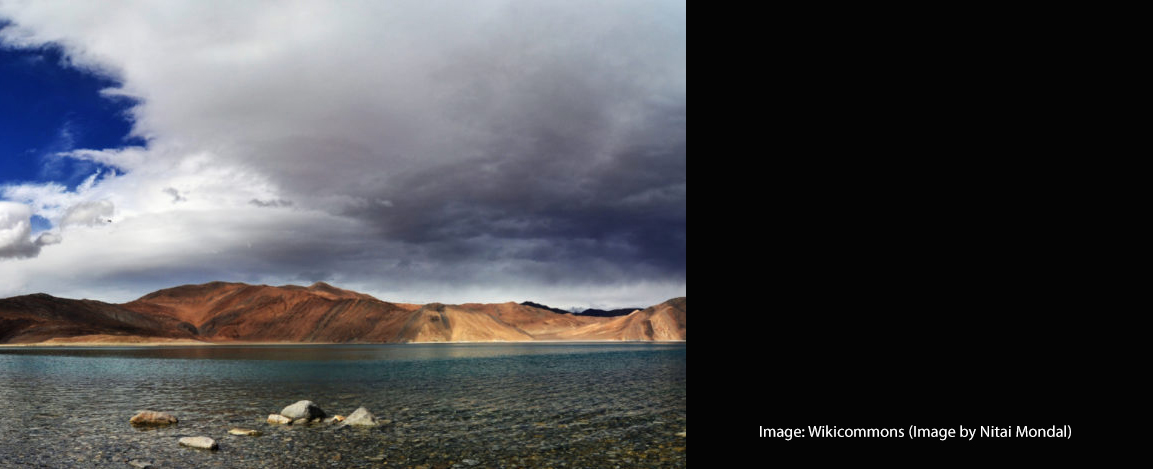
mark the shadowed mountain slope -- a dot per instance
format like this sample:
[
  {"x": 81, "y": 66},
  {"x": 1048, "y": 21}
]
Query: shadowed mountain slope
[{"x": 39, "y": 317}]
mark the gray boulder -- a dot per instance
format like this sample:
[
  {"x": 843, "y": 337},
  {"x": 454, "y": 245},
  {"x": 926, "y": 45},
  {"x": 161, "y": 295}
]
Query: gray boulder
[
  {"x": 303, "y": 410},
  {"x": 361, "y": 418}
]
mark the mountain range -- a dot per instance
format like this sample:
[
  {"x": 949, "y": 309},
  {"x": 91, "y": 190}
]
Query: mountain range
[
  {"x": 236, "y": 312},
  {"x": 612, "y": 313}
]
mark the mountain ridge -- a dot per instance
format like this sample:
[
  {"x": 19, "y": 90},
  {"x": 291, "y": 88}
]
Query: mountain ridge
[{"x": 224, "y": 312}]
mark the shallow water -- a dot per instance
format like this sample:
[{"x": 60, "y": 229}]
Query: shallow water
[{"x": 450, "y": 405}]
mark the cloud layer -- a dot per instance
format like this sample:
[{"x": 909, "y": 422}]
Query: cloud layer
[{"x": 452, "y": 151}]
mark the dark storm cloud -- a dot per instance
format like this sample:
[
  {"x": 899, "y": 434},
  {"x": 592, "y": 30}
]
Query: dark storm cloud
[
  {"x": 630, "y": 209},
  {"x": 554, "y": 146}
]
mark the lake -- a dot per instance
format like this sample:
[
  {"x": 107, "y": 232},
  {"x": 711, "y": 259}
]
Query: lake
[{"x": 447, "y": 405}]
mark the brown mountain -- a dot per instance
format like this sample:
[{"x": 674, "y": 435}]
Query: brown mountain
[
  {"x": 237, "y": 312},
  {"x": 257, "y": 313}
]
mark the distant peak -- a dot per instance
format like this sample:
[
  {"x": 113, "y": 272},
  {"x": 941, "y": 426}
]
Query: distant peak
[
  {"x": 37, "y": 296},
  {"x": 321, "y": 286}
]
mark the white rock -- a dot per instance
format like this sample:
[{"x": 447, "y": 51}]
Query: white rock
[{"x": 201, "y": 442}]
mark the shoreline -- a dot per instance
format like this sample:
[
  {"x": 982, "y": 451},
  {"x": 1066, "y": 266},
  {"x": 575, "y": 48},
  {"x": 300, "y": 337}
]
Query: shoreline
[{"x": 200, "y": 343}]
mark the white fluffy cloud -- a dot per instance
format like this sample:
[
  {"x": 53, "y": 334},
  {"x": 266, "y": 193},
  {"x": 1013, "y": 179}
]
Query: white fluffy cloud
[
  {"x": 48, "y": 239},
  {"x": 16, "y": 231},
  {"x": 88, "y": 214},
  {"x": 417, "y": 150}
]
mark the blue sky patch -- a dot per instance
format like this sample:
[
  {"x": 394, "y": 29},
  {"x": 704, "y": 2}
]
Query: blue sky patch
[
  {"x": 40, "y": 223},
  {"x": 47, "y": 107}
]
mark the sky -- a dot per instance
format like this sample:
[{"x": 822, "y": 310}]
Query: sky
[{"x": 417, "y": 151}]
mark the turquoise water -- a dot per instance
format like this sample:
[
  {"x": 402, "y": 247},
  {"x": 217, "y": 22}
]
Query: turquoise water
[{"x": 488, "y": 405}]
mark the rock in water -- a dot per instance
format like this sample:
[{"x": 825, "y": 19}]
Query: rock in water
[
  {"x": 148, "y": 417},
  {"x": 303, "y": 410},
  {"x": 244, "y": 432},
  {"x": 201, "y": 442},
  {"x": 361, "y": 417},
  {"x": 138, "y": 464},
  {"x": 279, "y": 419}
]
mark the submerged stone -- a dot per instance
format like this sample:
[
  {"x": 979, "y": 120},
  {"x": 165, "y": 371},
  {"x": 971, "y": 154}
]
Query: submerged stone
[
  {"x": 279, "y": 419},
  {"x": 148, "y": 417},
  {"x": 244, "y": 432}
]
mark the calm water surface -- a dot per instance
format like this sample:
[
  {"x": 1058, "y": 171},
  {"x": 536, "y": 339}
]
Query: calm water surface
[{"x": 449, "y": 405}]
